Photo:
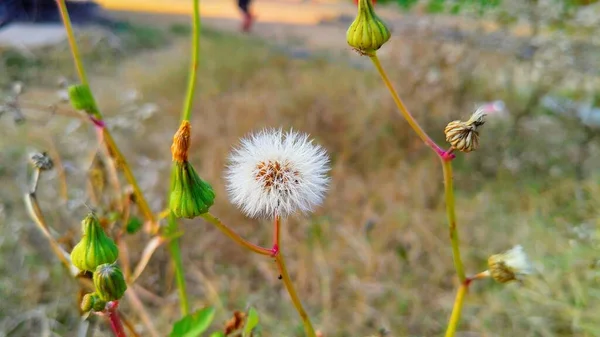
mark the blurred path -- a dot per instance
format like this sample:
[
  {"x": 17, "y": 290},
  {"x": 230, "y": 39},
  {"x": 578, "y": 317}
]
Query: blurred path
[{"x": 282, "y": 11}]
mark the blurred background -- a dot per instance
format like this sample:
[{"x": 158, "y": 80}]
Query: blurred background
[{"x": 375, "y": 259}]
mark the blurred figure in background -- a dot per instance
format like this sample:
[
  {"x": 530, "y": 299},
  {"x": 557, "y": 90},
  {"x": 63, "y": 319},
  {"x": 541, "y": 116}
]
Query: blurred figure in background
[{"x": 248, "y": 17}]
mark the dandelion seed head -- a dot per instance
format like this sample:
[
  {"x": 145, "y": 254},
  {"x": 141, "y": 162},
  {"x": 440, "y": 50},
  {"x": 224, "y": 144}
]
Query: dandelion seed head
[{"x": 275, "y": 173}]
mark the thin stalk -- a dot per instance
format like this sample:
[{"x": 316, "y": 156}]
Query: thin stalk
[
  {"x": 107, "y": 137},
  {"x": 235, "y": 236},
  {"x": 173, "y": 226},
  {"x": 287, "y": 281},
  {"x": 140, "y": 200},
  {"x": 451, "y": 214},
  {"x": 458, "y": 302},
  {"x": 62, "y": 7},
  {"x": 404, "y": 111},
  {"x": 457, "y": 309},
  {"x": 175, "y": 252},
  {"x": 191, "y": 88},
  {"x": 115, "y": 321}
]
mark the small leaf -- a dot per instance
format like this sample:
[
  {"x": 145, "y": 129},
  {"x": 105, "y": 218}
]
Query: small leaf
[
  {"x": 194, "y": 324},
  {"x": 217, "y": 334},
  {"x": 251, "y": 322},
  {"x": 133, "y": 225}
]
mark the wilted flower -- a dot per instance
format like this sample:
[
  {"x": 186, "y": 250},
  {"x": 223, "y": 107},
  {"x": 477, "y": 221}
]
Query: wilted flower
[
  {"x": 510, "y": 266},
  {"x": 274, "y": 173},
  {"x": 464, "y": 136},
  {"x": 42, "y": 161}
]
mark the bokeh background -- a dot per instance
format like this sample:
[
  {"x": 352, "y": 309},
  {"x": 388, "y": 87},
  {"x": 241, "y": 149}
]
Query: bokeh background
[{"x": 375, "y": 258}]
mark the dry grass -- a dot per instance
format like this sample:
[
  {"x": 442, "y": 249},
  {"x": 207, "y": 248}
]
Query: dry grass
[{"x": 375, "y": 255}]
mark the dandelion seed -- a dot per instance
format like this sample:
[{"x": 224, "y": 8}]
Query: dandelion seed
[
  {"x": 274, "y": 173},
  {"x": 510, "y": 266}
]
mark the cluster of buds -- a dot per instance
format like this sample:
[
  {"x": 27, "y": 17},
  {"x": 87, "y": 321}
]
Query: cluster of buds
[
  {"x": 97, "y": 253},
  {"x": 368, "y": 32},
  {"x": 190, "y": 195}
]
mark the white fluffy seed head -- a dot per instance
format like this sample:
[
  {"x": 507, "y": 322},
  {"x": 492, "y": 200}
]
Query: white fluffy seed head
[{"x": 273, "y": 173}]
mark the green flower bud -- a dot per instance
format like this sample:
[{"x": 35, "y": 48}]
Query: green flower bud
[
  {"x": 190, "y": 195},
  {"x": 82, "y": 99},
  {"x": 95, "y": 247},
  {"x": 109, "y": 282},
  {"x": 368, "y": 32},
  {"x": 92, "y": 301},
  {"x": 86, "y": 303}
]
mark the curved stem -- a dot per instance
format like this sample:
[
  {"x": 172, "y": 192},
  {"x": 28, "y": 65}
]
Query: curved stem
[
  {"x": 194, "y": 63},
  {"x": 115, "y": 321},
  {"x": 110, "y": 143},
  {"x": 308, "y": 328},
  {"x": 457, "y": 309},
  {"x": 451, "y": 214},
  {"x": 175, "y": 252},
  {"x": 404, "y": 111},
  {"x": 235, "y": 236}
]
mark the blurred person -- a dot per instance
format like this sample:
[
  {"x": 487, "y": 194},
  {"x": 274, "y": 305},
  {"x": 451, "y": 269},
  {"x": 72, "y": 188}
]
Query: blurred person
[{"x": 248, "y": 18}]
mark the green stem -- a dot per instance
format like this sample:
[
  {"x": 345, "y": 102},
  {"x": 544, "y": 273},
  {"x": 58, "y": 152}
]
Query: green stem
[
  {"x": 106, "y": 136},
  {"x": 62, "y": 7},
  {"x": 457, "y": 309},
  {"x": 175, "y": 252},
  {"x": 287, "y": 281},
  {"x": 173, "y": 226},
  {"x": 191, "y": 88},
  {"x": 403, "y": 110},
  {"x": 451, "y": 214}
]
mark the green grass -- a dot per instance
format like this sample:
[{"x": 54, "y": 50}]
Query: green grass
[{"x": 376, "y": 255}]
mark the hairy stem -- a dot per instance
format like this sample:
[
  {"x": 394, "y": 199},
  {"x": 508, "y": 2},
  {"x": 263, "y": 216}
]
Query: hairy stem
[
  {"x": 175, "y": 252},
  {"x": 189, "y": 99},
  {"x": 287, "y": 281},
  {"x": 115, "y": 321},
  {"x": 110, "y": 143},
  {"x": 235, "y": 236},
  {"x": 451, "y": 214},
  {"x": 404, "y": 111}
]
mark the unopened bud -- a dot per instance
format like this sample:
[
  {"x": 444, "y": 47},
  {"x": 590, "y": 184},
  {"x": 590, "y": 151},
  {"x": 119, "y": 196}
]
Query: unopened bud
[
  {"x": 190, "y": 195},
  {"x": 95, "y": 247},
  {"x": 464, "y": 136},
  {"x": 109, "y": 282},
  {"x": 92, "y": 302},
  {"x": 368, "y": 32}
]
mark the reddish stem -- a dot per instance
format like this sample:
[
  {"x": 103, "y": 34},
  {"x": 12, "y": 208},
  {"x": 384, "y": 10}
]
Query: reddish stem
[
  {"x": 115, "y": 321},
  {"x": 276, "y": 235}
]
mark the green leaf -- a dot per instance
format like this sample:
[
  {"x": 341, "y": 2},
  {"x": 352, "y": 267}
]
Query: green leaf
[
  {"x": 251, "y": 322},
  {"x": 217, "y": 334},
  {"x": 194, "y": 324},
  {"x": 133, "y": 225}
]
